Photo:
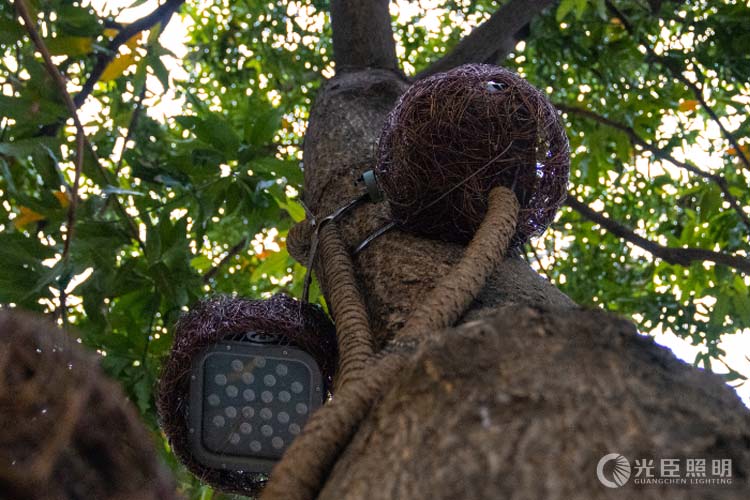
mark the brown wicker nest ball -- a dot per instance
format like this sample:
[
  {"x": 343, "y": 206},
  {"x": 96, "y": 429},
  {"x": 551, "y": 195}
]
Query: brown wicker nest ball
[
  {"x": 454, "y": 136},
  {"x": 213, "y": 320},
  {"x": 66, "y": 431}
]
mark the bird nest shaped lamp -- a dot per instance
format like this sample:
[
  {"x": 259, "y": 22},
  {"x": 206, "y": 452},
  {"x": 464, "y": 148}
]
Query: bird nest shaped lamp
[
  {"x": 454, "y": 136},
  {"x": 242, "y": 379}
]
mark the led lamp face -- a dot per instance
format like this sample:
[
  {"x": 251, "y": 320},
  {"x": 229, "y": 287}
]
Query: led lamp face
[{"x": 248, "y": 401}]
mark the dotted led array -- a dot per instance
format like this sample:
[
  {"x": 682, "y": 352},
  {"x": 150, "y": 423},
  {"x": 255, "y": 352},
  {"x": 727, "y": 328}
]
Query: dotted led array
[{"x": 254, "y": 405}]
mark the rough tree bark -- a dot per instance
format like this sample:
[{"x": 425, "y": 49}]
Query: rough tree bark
[{"x": 530, "y": 391}]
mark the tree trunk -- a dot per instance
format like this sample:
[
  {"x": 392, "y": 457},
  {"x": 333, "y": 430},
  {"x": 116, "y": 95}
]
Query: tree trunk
[{"x": 525, "y": 397}]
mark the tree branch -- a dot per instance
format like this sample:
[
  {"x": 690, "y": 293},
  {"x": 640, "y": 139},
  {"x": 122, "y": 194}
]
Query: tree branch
[
  {"x": 678, "y": 75},
  {"x": 160, "y": 14},
  {"x": 490, "y": 38},
  {"x": 362, "y": 35},
  {"x": 672, "y": 255},
  {"x": 82, "y": 141},
  {"x": 30, "y": 26},
  {"x": 661, "y": 154}
]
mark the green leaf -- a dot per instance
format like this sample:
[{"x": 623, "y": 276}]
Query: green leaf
[
  {"x": 143, "y": 390},
  {"x": 49, "y": 276},
  {"x": 139, "y": 79},
  {"x": 45, "y": 162},
  {"x": 206, "y": 493},
  {"x": 564, "y": 8},
  {"x": 732, "y": 376},
  {"x": 261, "y": 126},
  {"x": 274, "y": 265},
  {"x": 31, "y": 110},
  {"x": 214, "y": 131},
  {"x": 160, "y": 71},
  {"x": 601, "y": 9},
  {"x": 25, "y": 148},
  {"x": 201, "y": 263},
  {"x": 710, "y": 202},
  {"x": 98, "y": 243},
  {"x": 69, "y": 45},
  {"x": 15, "y": 248},
  {"x": 7, "y": 176},
  {"x": 78, "y": 20},
  {"x": 153, "y": 243},
  {"x": 740, "y": 286},
  {"x": 272, "y": 168},
  {"x": 741, "y": 305},
  {"x": 10, "y": 31},
  {"x": 581, "y": 8},
  {"x": 293, "y": 208}
]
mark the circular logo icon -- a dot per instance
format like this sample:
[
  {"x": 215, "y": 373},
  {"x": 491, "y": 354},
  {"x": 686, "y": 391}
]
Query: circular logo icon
[{"x": 619, "y": 473}]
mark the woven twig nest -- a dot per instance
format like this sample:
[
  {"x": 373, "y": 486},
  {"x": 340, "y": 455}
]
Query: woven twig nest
[
  {"x": 225, "y": 318},
  {"x": 66, "y": 431},
  {"x": 454, "y": 136}
]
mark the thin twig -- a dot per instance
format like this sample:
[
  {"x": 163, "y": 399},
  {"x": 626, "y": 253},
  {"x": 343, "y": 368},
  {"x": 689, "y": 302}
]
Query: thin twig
[
  {"x": 673, "y": 255},
  {"x": 661, "y": 154},
  {"x": 74, "y": 190},
  {"x": 23, "y": 11},
  {"x": 81, "y": 142}
]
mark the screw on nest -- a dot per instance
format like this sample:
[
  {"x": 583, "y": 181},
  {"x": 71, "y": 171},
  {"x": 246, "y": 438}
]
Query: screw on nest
[{"x": 454, "y": 136}]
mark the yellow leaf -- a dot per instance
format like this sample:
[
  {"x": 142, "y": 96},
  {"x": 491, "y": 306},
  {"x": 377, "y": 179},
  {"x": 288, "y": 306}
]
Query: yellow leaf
[
  {"x": 26, "y": 217},
  {"x": 118, "y": 66},
  {"x": 688, "y": 105},
  {"x": 110, "y": 32},
  {"x": 62, "y": 199},
  {"x": 132, "y": 42}
]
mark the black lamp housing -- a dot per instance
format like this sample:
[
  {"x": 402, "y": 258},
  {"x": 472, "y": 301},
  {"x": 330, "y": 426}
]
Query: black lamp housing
[
  {"x": 242, "y": 379},
  {"x": 248, "y": 400}
]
